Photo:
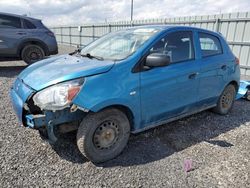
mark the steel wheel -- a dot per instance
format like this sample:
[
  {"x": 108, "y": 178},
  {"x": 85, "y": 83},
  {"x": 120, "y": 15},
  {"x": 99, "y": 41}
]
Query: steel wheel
[
  {"x": 226, "y": 100},
  {"x": 103, "y": 135},
  {"x": 106, "y": 135}
]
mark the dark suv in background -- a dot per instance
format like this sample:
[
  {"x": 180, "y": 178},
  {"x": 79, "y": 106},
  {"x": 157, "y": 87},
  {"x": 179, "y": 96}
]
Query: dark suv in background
[{"x": 26, "y": 38}]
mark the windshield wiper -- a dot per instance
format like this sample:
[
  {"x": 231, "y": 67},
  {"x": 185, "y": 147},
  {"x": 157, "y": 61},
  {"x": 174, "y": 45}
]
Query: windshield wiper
[
  {"x": 88, "y": 55},
  {"x": 77, "y": 51}
]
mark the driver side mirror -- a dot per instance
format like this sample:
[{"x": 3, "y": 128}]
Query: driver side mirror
[{"x": 157, "y": 60}]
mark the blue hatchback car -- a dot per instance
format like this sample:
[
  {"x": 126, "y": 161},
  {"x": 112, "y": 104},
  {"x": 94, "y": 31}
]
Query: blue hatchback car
[{"x": 126, "y": 82}]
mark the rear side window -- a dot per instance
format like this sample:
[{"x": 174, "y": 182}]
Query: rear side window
[
  {"x": 28, "y": 25},
  {"x": 10, "y": 22},
  {"x": 178, "y": 46},
  {"x": 210, "y": 45}
]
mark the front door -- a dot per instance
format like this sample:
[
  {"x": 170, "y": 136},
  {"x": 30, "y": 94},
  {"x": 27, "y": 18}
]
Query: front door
[
  {"x": 11, "y": 32},
  {"x": 170, "y": 91}
]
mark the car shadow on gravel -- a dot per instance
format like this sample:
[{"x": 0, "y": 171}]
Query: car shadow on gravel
[
  {"x": 163, "y": 141},
  {"x": 9, "y": 59},
  {"x": 11, "y": 71},
  {"x": 67, "y": 149}
]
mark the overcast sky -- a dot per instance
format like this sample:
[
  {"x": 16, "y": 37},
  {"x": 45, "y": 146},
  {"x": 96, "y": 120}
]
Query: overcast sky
[{"x": 78, "y": 12}]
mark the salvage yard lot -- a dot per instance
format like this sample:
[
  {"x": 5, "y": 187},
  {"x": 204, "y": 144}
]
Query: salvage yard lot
[{"x": 219, "y": 147}]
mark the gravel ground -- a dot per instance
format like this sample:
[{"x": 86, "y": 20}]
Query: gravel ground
[{"x": 218, "y": 146}]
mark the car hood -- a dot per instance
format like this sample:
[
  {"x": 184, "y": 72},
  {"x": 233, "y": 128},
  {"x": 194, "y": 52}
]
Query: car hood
[{"x": 61, "y": 68}]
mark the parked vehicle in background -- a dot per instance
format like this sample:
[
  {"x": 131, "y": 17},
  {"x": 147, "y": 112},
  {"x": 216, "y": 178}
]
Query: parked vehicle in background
[
  {"x": 26, "y": 38},
  {"x": 126, "y": 82}
]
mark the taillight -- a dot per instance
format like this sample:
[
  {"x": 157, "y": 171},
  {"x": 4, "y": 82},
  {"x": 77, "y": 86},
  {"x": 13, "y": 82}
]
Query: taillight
[
  {"x": 50, "y": 33},
  {"x": 237, "y": 60}
]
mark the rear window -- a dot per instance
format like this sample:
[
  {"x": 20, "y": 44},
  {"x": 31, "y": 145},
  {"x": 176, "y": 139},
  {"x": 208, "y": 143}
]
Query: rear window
[
  {"x": 210, "y": 45},
  {"x": 28, "y": 25},
  {"x": 10, "y": 22}
]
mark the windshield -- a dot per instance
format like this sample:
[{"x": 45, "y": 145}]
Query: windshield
[{"x": 119, "y": 45}]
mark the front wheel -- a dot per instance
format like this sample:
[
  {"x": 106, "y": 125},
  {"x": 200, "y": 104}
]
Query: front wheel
[
  {"x": 102, "y": 136},
  {"x": 226, "y": 100}
]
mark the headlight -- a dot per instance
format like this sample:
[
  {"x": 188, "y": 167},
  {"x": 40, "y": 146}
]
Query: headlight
[{"x": 59, "y": 96}]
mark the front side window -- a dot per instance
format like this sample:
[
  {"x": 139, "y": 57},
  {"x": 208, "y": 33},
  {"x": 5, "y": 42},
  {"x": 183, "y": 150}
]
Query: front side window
[
  {"x": 178, "y": 46},
  {"x": 210, "y": 45},
  {"x": 119, "y": 45},
  {"x": 10, "y": 22}
]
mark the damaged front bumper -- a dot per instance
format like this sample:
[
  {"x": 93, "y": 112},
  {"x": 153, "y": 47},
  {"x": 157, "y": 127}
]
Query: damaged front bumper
[
  {"x": 53, "y": 118},
  {"x": 62, "y": 121},
  {"x": 50, "y": 120},
  {"x": 20, "y": 93}
]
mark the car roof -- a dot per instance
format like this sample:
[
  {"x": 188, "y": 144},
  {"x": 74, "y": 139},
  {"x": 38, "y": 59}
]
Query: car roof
[
  {"x": 177, "y": 27},
  {"x": 19, "y": 16}
]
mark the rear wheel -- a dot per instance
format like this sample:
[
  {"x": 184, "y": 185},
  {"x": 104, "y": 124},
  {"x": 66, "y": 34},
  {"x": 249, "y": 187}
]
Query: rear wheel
[
  {"x": 226, "y": 100},
  {"x": 32, "y": 53},
  {"x": 103, "y": 135}
]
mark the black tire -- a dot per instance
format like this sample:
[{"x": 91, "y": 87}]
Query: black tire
[
  {"x": 94, "y": 129},
  {"x": 32, "y": 53},
  {"x": 226, "y": 100},
  {"x": 43, "y": 133},
  {"x": 248, "y": 94}
]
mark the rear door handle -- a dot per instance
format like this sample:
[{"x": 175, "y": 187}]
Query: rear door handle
[
  {"x": 21, "y": 33},
  {"x": 223, "y": 67},
  {"x": 193, "y": 75}
]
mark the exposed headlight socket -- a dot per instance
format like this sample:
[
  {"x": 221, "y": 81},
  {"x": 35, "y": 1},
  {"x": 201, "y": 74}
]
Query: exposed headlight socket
[{"x": 75, "y": 108}]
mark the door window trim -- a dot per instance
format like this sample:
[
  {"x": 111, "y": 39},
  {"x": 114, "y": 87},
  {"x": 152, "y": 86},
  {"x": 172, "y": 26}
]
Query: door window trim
[
  {"x": 12, "y": 17},
  {"x": 221, "y": 47},
  {"x": 138, "y": 67},
  {"x": 24, "y": 25}
]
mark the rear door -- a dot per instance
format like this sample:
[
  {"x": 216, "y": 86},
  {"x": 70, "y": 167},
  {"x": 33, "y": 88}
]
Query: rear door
[
  {"x": 213, "y": 68},
  {"x": 171, "y": 90},
  {"x": 32, "y": 30},
  {"x": 11, "y": 33}
]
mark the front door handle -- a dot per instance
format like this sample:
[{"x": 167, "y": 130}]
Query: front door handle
[
  {"x": 223, "y": 67},
  {"x": 193, "y": 75}
]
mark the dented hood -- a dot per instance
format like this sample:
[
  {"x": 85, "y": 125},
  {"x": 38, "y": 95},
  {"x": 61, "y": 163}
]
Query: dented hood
[{"x": 61, "y": 68}]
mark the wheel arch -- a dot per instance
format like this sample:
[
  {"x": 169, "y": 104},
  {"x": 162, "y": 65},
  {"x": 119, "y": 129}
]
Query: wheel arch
[
  {"x": 125, "y": 109},
  {"x": 35, "y": 42},
  {"x": 235, "y": 84}
]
